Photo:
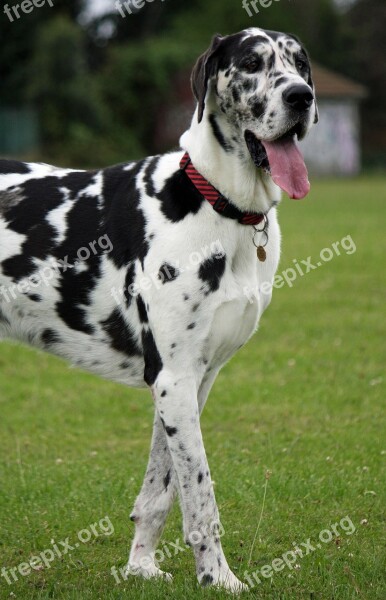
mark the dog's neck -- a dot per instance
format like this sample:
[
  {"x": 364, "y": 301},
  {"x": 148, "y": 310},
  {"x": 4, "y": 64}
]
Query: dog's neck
[{"x": 232, "y": 172}]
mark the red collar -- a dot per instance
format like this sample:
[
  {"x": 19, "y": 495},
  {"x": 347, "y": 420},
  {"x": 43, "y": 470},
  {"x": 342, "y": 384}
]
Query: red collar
[{"x": 213, "y": 196}]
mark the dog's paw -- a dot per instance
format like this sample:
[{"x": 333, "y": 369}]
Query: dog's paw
[
  {"x": 149, "y": 572},
  {"x": 227, "y": 581}
]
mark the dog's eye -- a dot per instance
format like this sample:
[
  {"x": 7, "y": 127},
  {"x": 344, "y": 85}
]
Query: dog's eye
[
  {"x": 301, "y": 65},
  {"x": 252, "y": 64}
]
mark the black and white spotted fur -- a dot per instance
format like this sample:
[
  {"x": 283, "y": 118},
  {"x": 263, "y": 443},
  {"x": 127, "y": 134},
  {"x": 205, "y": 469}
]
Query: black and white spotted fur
[{"x": 177, "y": 333}]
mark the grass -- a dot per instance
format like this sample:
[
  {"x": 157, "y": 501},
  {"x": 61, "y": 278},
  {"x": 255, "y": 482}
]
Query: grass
[{"x": 304, "y": 400}]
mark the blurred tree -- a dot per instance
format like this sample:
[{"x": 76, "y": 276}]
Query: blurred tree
[
  {"x": 366, "y": 50},
  {"x": 18, "y": 39},
  {"x": 76, "y": 123}
]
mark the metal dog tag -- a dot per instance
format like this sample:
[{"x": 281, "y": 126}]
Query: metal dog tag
[{"x": 261, "y": 254}]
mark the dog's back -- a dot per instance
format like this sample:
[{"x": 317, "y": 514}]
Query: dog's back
[{"x": 62, "y": 250}]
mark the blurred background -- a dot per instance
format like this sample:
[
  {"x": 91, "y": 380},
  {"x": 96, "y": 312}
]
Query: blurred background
[{"x": 87, "y": 84}]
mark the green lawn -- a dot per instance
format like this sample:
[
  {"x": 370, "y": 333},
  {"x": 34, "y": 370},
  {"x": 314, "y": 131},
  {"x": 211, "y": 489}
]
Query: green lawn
[{"x": 305, "y": 399}]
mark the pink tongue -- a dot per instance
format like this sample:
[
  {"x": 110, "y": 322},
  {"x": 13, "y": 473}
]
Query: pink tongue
[{"x": 288, "y": 169}]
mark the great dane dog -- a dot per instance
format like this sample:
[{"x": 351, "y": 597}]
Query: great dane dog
[{"x": 138, "y": 272}]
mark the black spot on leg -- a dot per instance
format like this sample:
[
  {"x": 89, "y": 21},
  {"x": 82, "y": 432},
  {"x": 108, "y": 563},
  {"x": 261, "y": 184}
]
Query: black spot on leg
[
  {"x": 164, "y": 393},
  {"x": 206, "y": 580},
  {"x": 170, "y": 430},
  {"x": 212, "y": 270},
  {"x": 167, "y": 480},
  {"x": 191, "y": 326},
  {"x": 202, "y": 548},
  {"x": 200, "y": 477}
]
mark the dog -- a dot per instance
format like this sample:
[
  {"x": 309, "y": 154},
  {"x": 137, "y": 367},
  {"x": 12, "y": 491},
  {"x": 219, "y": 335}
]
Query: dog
[{"x": 138, "y": 272}]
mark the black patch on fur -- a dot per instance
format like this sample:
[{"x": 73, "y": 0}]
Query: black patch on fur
[
  {"x": 142, "y": 312},
  {"x": 179, "y": 197},
  {"x": 167, "y": 273},
  {"x": 280, "y": 81},
  {"x": 129, "y": 280},
  {"x": 271, "y": 62},
  {"x": 258, "y": 108},
  {"x": 212, "y": 270},
  {"x": 167, "y": 479},
  {"x": 148, "y": 176},
  {"x": 170, "y": 430},
  {"x": 34, "y": 297},
  {"x": 122, "y": 337},
  {"x": 84, "y": 222},
  {"x": 153, "y": 361},
  {"x": 49, "y": 337},
  {"x": 218, "y": 134},
  {"x": 191, "y": 326},
  {"x": 206, "y": 580},
  {"x": 13, "y": 166},
  {"x": 236, "y": 94},
  {"x": 124, "y": 221},
  {"x": 39, "y": 244},
  {"x": 200, "y": 477}
]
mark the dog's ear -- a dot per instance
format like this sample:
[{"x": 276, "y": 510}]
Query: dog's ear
[{"x": 202, "y": 71}]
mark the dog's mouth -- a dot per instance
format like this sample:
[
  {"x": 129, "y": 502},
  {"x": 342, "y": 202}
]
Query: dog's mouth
[{"x": 283, "y": 160}]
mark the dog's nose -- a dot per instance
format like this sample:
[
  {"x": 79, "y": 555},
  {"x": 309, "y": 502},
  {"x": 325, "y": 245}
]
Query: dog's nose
[{"x": 299, "y": 97}]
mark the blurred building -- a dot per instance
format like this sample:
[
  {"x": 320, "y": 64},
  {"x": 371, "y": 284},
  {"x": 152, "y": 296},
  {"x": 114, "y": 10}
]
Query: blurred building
[{"x": 333, "y": 147}]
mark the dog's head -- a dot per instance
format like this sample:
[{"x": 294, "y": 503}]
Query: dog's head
[{"x": 257, "y": 89}]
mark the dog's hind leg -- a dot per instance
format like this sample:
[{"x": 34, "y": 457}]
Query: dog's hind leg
[{"x": 152, "y": 506}]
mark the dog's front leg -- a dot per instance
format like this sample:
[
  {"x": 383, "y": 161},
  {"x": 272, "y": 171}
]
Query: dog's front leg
[
  {"x": 156, "y": 497},
  {"x": 176, "y": 401}
]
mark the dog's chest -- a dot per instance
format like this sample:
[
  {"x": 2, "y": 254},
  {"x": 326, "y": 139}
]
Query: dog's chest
[
  {"x": 234, "y": 322},
  {"x": 236, "y": 316}
]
